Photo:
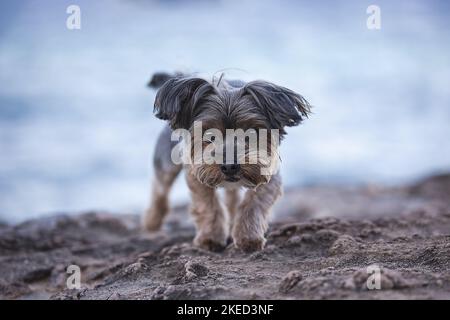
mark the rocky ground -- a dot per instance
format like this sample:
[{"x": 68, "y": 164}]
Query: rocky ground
[{"x": 320, "y": 244}]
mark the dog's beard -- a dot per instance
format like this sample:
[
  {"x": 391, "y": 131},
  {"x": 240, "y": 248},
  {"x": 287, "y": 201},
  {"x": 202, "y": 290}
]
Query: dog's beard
[
  {"x": 211, "y": 175},
  {"x": 250, "y": 176},
  {"x": 207, "y": 174}
]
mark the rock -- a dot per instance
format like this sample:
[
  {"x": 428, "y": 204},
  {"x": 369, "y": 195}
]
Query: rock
[
  {"x": 343, "y": 244},
  {"x": 115, "y": 296},
  {"x": 294, "y": 240},
  {"x": 135, "y": 268},
  {"x": 327, "y": 235},
  {"x": 289, "y": 281},
  {"x": 194, "y": 270}
]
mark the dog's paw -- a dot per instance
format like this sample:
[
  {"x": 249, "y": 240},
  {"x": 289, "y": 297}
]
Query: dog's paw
[
  {"x": 250, "y": 244},
  {"x": 210, "y": 243}
]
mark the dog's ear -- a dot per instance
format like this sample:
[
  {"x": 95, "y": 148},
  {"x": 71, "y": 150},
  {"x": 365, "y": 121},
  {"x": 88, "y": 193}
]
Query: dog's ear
[
  {"x": 177, "y": 98},
  {"x": 281, "y": 106}
]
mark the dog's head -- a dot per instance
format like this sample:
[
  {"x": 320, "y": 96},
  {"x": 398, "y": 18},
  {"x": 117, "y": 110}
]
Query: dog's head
[{"x": 230, "y": 120}]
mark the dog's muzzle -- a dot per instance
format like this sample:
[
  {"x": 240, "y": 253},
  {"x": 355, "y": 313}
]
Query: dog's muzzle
[{"x": 231, "y": 171}]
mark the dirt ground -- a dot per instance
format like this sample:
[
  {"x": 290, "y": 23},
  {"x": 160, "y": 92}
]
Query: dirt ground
[{"x": 320, "y": 244}]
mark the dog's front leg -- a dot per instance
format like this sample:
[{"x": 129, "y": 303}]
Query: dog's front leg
[
  {"x": 251, "y": 220},
  {"x": 210, "y": 221}
]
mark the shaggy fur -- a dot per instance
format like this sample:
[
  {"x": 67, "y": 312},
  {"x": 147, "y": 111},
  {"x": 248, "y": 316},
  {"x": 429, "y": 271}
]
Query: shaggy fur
[{"x": 184, "y": 101}]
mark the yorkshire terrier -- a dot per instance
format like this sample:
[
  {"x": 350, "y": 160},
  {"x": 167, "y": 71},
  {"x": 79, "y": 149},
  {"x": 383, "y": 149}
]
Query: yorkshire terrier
[{"x": 217, "y": 120}]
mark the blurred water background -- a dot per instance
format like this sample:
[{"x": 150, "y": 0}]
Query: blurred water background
[{"x": 76, "y": 123}]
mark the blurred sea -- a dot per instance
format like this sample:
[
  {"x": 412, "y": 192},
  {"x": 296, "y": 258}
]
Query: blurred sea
[{"x": 76, "y": 123}]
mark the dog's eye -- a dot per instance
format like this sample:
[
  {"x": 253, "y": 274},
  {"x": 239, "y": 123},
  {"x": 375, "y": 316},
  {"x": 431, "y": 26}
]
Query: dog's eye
[{"x": 209, "y": 137}]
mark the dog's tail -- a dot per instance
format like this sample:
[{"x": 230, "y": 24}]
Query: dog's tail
[{"x": 159, "y": 78}]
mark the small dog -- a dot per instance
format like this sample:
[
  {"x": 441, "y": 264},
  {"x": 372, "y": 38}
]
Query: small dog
[{"x": 258, "y": 106}]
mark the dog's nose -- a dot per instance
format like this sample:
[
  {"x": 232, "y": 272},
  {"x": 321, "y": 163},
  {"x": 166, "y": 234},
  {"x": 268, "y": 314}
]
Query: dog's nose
[{"x": 230, "y": 169}]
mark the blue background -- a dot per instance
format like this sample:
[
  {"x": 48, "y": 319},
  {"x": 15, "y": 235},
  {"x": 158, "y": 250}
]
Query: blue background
[{"x": 76, "y": 123}]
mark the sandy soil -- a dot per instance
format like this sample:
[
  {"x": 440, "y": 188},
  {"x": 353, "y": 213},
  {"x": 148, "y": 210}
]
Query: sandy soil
[{"x": 320, "y": 243}]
